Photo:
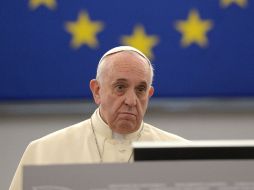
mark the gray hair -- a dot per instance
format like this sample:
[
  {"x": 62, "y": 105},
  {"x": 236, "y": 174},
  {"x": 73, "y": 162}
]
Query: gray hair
[{"x": 120, "y": 49}]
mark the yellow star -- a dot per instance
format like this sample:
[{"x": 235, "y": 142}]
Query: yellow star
[
  {"x": 34, "y": 4},
  {"x": 194, "y": 29},
  {"x": 226, "y": 3},
  {"x": 84, "y": 31},
  {"x": 140, "y": 40}
]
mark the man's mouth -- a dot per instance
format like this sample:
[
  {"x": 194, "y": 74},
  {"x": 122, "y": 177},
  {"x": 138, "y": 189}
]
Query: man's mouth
[{"x": 128, "y": 113}]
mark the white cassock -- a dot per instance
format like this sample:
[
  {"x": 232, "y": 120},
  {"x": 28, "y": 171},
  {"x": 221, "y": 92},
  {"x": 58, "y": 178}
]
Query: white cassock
[{"x": 77, "y": 144}]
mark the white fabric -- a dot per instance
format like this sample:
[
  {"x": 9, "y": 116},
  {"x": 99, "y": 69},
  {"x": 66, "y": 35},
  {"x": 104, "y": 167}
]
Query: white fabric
[
  {"x": 76, "y": 144},
  {"x": 124, "y": 48}
]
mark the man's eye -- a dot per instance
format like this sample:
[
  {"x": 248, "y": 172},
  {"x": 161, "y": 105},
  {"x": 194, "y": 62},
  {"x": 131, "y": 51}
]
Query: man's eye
[
  {"x": 119, "y": 87},
  {"x": 141, "y": 89}
]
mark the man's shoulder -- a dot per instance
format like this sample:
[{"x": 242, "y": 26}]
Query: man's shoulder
[
  {"x": 156, "y": 134},
  {"x": 66, "y": 134},
  {"x": 61, "y": 146}
]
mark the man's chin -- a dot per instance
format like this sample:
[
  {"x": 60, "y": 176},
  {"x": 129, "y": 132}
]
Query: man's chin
[{"x": 126, "y": 127}]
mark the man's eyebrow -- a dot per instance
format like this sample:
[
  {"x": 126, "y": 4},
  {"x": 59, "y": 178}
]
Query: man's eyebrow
[
  {"x": 143, "y": 83},
  {"x": 120, "y": 80}
]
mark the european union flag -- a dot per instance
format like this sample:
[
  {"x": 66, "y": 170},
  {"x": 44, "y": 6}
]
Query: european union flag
[{"x": 50, "y": 48}]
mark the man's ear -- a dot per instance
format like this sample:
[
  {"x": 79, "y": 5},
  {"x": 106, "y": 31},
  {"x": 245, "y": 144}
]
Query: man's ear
[
  {"x": 151, "y": 91},
  {"x": 95, "y": 89}
]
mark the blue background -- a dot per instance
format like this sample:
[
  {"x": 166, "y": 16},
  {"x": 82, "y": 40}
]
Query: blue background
[{"x": 37, "y": 62}]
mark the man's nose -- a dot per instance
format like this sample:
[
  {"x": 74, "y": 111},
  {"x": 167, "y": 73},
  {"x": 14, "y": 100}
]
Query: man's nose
[{"x": 130, "y": 98}]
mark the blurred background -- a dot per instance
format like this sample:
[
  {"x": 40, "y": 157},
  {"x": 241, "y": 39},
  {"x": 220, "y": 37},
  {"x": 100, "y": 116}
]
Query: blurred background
[{"x": 202, "y": 52}]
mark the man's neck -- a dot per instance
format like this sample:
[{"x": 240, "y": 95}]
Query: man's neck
[{"x": 117, "y": 136}]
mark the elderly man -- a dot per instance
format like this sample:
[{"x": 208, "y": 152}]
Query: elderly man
[{"x": 121, "y": 90}]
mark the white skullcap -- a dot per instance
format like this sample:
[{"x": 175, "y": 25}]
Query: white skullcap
[{"x": 124, "y": 48}]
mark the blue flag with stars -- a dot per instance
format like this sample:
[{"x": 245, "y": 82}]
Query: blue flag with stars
[{"x": 50, "y": 48}]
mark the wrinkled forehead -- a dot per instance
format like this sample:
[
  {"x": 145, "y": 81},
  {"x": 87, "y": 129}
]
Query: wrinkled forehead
[
  {"x": 118, "y": 55},
  {"x": 128, "y": 64}
]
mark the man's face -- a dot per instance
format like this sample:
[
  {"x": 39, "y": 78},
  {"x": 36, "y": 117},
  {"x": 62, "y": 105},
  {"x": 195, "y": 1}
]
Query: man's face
[{"x": 123, "y": 91}]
